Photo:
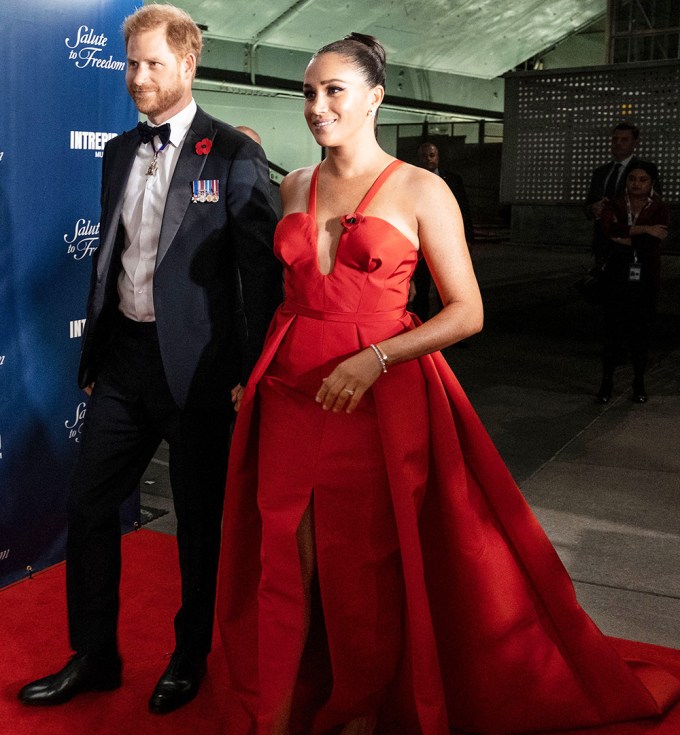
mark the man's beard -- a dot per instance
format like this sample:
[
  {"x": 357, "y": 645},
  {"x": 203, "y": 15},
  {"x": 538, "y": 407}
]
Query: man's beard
[{"x": 159, "y": 102}]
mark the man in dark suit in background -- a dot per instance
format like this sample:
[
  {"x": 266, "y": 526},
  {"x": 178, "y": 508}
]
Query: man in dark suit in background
[
  {"x": 274, "y": 188},
  {"x": 428, "y": 157},
  {"x": 184, "y": 285},
  {"x": 609, "y": 181}
]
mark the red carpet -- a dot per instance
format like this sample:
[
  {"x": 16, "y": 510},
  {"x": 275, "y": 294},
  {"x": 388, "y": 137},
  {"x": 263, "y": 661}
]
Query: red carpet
[{"x": 33, "y": 641}]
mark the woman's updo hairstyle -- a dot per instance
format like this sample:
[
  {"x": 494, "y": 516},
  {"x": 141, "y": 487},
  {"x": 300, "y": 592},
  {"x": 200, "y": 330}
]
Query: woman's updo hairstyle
[{"x": 365, "y": 52}]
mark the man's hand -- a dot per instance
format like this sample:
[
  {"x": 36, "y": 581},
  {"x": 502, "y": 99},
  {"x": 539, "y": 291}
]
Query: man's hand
[
  {"x": 237, "y": 396},
  {"x": 597, "y": 207}
]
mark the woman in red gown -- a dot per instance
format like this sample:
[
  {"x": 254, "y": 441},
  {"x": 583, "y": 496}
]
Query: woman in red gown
[{"x": 381, "y": 572}]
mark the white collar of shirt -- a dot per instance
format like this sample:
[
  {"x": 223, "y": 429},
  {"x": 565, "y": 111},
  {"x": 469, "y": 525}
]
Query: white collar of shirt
[
  {"x": 180, "y": 123},
  {"x": 625, "y": 162}
]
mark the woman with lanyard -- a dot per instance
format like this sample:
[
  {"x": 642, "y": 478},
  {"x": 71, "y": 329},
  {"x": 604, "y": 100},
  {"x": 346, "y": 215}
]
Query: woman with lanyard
[{"x": 634, "y": 225}]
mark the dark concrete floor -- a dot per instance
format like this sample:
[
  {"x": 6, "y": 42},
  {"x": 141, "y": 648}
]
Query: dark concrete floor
[{"x": 603, "y": 481}]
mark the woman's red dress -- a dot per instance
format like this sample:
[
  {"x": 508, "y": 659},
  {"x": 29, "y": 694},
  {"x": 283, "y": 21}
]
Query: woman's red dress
[{"x": 440, "y": 603}]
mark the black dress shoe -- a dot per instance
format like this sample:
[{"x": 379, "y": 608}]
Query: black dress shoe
[
  {"x": 605, "y": 393},
  {"x": 81, "y": 674},
  {"x": 639, "y": 392},
  {"x": 178, "y": 684}
]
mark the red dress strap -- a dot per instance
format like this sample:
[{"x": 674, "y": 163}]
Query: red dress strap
[
  {"x": 311, "y": 206},
  {"x": 368, "y": 197},
  {"x": 386, "y": 172}
]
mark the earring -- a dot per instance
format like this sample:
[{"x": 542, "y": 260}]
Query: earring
[{"x": 371, "y": 112}]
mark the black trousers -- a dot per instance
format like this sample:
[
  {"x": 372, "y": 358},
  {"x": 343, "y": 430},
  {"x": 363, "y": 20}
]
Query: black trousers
[
  {"x": 129, "y": 412},
  {"x": 628, "y": 315}
]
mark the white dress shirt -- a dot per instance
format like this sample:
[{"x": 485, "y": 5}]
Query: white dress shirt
[
  {"x": 142, "y": 216},
  {"x": 623, "y": 163}
]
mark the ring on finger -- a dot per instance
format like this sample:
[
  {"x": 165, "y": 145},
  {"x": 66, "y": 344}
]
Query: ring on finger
[{"x": 349, "y": 391}]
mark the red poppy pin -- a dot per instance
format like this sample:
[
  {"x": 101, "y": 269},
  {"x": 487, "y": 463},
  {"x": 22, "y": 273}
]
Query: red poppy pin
[
  {"x": 350, "y": 221},
  {"x": 203, "y": 146}
]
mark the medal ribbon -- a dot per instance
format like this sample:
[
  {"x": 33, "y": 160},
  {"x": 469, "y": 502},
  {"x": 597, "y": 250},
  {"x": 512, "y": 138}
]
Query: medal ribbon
[{"x": 153, "y": 166}]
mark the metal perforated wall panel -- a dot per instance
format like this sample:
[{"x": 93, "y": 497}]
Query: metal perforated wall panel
[{"x": 558, "y": 125}]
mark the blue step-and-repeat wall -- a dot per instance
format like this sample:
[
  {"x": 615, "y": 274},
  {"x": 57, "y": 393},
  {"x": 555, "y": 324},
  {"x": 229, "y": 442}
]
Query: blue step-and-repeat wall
[{"x": 62, "y": 75}]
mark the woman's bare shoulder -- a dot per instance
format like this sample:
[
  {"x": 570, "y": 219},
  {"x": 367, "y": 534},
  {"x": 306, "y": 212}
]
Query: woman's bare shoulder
[
  {"x": 421, "y": 178},
  {"x": 422, "y": 188},
  {"x": 295, "y": 188},
  {"x": 298, "y": 177}
]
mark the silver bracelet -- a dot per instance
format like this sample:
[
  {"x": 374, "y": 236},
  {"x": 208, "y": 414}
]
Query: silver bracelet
[{"x": 382, "y": 357}]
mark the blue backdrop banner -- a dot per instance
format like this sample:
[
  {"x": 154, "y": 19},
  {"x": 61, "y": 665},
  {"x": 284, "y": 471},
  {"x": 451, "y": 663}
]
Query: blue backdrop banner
[{"x": 63, "y": 96}]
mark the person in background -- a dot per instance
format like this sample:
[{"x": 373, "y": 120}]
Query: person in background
[
  {"x": 428, "y": 158},
  {"x": 183, "y": 287},
  {"x": 276, "y": 196},
  {"x": 609, "y": 181},
  {"x": 633, "y": 227},
  {"x": 252, "y": 134},
  {"x": 380, "y": 570}
]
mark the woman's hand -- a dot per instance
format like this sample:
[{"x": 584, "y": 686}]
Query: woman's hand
[
  {"x": 658, "y": 231},
  {"x": 345, "y": 386}
]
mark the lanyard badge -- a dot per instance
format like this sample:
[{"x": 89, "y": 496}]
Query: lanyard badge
[{"x": 634, "y": 270}]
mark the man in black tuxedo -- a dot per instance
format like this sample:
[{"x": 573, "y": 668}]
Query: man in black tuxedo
[
  {"x": 428, "y": 157},
  {"x": 609, "y": 181},
  {"x": 184, "y": 285}
]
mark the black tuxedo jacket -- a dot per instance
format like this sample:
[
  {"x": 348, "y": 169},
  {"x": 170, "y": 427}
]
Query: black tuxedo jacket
[
  {"x": 599, "y": 180},
  {"x": 216, "y": 282}
]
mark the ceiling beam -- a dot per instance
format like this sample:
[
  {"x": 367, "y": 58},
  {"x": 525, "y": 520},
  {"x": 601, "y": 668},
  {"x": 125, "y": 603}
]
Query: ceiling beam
[
  {"x": 290, "y": 12},
  {"x": 229, "y": 61}
]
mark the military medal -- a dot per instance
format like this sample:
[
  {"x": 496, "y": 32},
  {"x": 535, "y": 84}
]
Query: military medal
[
  {"x": 153, "y": 165},
  {"x": 205, "y": 190}
]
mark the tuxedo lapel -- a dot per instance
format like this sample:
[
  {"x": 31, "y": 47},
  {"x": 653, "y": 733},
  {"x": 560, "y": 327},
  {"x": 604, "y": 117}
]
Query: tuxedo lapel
[
  {"x": 188, "y": 169},
  {"x": 118, "y": 176}
]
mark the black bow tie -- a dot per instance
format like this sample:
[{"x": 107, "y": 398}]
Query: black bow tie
[{"x": 147, "y": 132}]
